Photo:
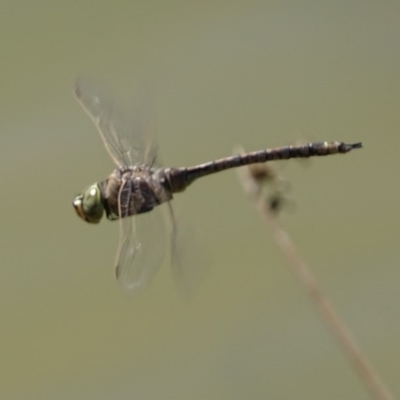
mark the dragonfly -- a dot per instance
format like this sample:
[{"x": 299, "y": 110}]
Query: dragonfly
[{"x": 132, "y": 193}]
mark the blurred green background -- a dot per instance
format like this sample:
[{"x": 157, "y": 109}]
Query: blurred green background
[{"x": 256, "y": 73}]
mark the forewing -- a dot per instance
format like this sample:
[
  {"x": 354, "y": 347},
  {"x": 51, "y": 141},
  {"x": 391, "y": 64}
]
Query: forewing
[
  {"x": 128, "y": 136},
  {"x": 141, "y": 249}
]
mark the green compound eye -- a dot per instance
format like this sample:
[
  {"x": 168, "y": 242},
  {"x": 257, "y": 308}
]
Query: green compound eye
[{"x": 89, "y": 205}]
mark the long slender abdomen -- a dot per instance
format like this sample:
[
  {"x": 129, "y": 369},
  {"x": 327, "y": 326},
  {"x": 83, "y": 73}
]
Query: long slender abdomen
[{"x": 185, "y": 176}]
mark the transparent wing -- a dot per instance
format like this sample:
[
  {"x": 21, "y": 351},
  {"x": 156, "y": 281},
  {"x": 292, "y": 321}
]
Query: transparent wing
[
  {"x": 141, "y": 249},
  {"x": 189, "y": 258},
  {"x": 129, "y": 137}
]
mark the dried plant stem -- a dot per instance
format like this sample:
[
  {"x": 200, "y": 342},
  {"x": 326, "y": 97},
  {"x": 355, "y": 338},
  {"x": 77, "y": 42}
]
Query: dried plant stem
[{"x": 300, "y": 268}]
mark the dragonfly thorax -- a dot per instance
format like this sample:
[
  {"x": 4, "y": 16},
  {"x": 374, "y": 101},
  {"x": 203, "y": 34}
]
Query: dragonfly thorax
[
  {"x": 133, "y": 190},
  {"x": 88, "y": 205}
]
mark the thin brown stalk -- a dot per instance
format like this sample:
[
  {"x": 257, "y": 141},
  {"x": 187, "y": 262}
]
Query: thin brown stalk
[{"x": 346, "y": 339}]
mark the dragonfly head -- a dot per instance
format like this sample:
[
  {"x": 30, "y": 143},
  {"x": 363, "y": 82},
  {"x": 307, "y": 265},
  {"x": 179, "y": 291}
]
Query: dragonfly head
[{"x": 88, "y": 205}]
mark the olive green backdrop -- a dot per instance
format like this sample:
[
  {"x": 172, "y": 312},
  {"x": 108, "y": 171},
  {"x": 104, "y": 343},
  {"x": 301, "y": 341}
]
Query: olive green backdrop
[{"x": 256, "y": 73}]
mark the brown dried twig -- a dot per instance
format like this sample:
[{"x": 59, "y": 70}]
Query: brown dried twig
[{"x": 252, "y": 185}]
